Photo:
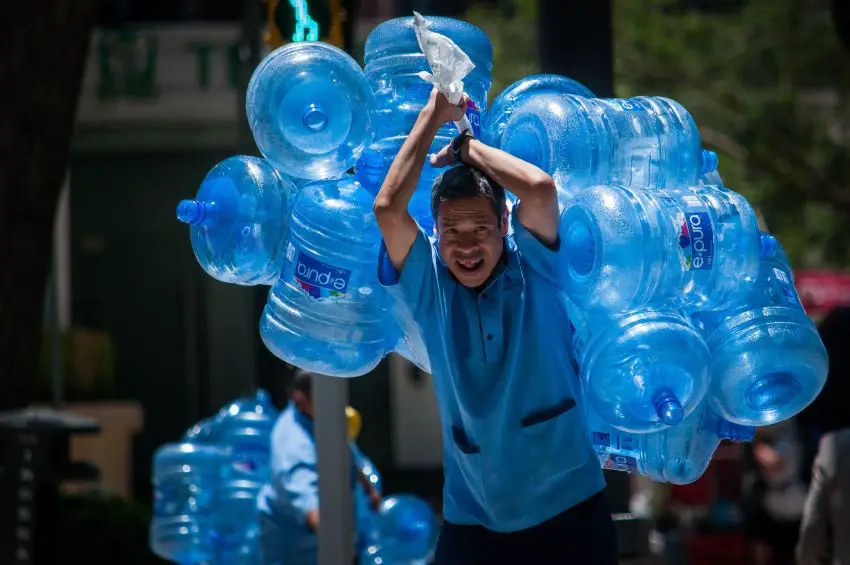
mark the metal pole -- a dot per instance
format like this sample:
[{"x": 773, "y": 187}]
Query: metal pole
[{"x": 336, "y": 504}]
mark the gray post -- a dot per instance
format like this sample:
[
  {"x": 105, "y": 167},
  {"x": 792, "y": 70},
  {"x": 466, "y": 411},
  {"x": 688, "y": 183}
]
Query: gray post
[{"x": 336, "y": 504}]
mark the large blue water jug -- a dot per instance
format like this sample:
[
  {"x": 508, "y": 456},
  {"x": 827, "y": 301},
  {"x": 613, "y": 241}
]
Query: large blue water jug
[
  {"x": 243, "y": 429},
  {"x": 643, "y": 370},
  {"x": 393, "y": 59},
  {"x": 328, "y": 313},
  {"x": 768, "y": 361},
  {"x": 503, "y": 107},
  {"x": 408, "y": 530},
  {"x": 185, "y": 479},
  {"x": 693, "y": 249},
  {"x": 677, "y": 455},
  {"x": 582, "y": 142},
  {"x": 310, "y": 109},
  {"x": 239, "y": 220}
]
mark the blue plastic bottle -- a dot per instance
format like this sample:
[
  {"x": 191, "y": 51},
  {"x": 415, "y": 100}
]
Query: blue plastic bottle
[
  {"x": 582, "y": 142},
  {"x": 768, "y": 361},
  {"x": 310, "y": 109},
  {"x": 643, "y": 370},
  {"x": 408, "y": 530},
  {"x": 239, "y": 221},
  {"x": 327, "y": 313},
  {"x": 393, "y": 59},
  {"x": 202, "y": 432},
  {"x": 243, "y": 429},
  {"x": 677, "y": 455},
  {"x": 185, "y": 479},
  {"x": 692, "y": 249},
  {"x": 503, "y": 107}
]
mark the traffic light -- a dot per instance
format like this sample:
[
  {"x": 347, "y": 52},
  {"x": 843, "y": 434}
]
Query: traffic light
[{"x": 304, "y": 20}]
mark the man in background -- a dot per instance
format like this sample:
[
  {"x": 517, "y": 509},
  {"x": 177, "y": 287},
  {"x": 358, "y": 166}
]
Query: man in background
[{"x": 289, "y": 503}]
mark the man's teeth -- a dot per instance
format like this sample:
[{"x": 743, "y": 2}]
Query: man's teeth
[{"x": 469, "y": 263}]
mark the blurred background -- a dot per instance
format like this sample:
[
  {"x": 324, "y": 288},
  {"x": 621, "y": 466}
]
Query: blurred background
[{"x": 114, "y": 110}]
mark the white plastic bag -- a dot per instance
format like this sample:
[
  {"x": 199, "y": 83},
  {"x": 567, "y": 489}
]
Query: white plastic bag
[{"x": 449, "y": 64}]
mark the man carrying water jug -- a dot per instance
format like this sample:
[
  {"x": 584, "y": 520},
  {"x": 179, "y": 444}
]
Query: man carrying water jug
[{"x": 522, "y": 482}]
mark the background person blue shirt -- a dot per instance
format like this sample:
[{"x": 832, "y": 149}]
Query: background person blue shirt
[
  {"x": 289, "y": 504},
  {"x": 522, "y": 483}
]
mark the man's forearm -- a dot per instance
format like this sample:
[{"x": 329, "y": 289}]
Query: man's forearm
[
  {"x": 535, "y": 189},
  {"x": 525, "y": 180},
  {"x": 403, "y": 176}
]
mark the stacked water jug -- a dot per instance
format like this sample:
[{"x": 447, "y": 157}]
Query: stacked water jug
[
  {"x": 687, "y": 323},
  {"x": 206, "y": 488},
  {"x": 687, "y": 328}
]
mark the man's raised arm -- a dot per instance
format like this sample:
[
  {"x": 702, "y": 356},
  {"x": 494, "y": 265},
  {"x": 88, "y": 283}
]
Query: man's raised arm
[
  {"x": 397, "y": 227},
  {"x": 538, "y": 210}
]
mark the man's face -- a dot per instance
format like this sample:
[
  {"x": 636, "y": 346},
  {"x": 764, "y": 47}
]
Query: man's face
[
  {"x": 470, "y": 238},
  {"x": 303, "y": 402}
]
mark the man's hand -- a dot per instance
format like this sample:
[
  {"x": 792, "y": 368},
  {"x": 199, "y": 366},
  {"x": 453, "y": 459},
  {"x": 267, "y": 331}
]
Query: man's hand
[
  {"x": 375, "y": 499},
  {"x": 445, "y": 111}
]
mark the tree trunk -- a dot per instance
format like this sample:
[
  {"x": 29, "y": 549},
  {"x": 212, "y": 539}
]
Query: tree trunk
[{"x": 43, "y": 50}]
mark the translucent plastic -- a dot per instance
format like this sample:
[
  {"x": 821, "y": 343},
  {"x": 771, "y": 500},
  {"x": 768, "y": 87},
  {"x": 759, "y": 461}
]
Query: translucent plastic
[
  {"x": 582, "y": 142},
  {"x": 768, "y": 361},
  {"x": 393, "y": 59},
  {"x": 408, "y": 530},
  {"x": 677, "y": 455},
  {"x": 372, "y": 169},
  {"x": 185, "y": 479},
  {"x": 310, "y": 109},
  {"x": 243, "y": 429},
  {"x": 643, "y": 370},
  {"x": 327, "y": 313},
  {"x": 692, "y": 249},
  {"x": 239, "y": 220},
  {"x": 504, "y": 106}
]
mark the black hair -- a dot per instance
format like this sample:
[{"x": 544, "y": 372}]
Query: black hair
[
  {"x": 303, "y": 382},
  {"x": 464, "y": 181}
]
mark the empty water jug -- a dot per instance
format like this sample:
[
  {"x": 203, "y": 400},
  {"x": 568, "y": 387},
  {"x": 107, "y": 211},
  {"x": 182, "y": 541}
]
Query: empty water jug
[
  {"x": 393, "y": 60},
  {"x": 408, "y": 530},
  {"x": 243, "y": 429},
  {"x": 677, "y": 455},
  {"x": 185, "y": 478},
  {"x": 642, "y": 370},
  {"x": 310, "y": 109},
  {"x": 503, "y": 107},
  {"x": 768, "y": 361},
  {"x": 648, "y": 142},
  {"x": 328, "y": 313},
  {"x": 239, "y": 220},
  {"x": 696, "y": 249}
]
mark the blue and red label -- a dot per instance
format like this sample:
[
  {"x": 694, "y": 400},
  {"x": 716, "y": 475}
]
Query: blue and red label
[
  {"x": 618, "y": 462},
  {"x": 473, "y": 114},
  {"x": 319, "y": 279},
  {"x": 696, "y": 239}
]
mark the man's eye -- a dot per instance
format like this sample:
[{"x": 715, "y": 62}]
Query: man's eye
[
  {"x": 481, "y": 229},
  {"x": 451, "y": 231}
]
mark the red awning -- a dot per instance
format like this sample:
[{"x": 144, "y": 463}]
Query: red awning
[{"x": 821, "y": 291}]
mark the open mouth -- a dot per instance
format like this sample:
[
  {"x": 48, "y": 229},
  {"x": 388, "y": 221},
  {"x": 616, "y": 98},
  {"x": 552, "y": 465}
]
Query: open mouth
[{"x": 470, "y": 265}]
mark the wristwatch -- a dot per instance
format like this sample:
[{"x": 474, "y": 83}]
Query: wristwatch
[{"x": 457, "y": 144}]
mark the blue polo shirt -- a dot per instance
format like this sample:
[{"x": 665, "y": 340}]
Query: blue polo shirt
[
  {"x": 516, "y": 450},
  {"x": 293, "y": 491}
]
